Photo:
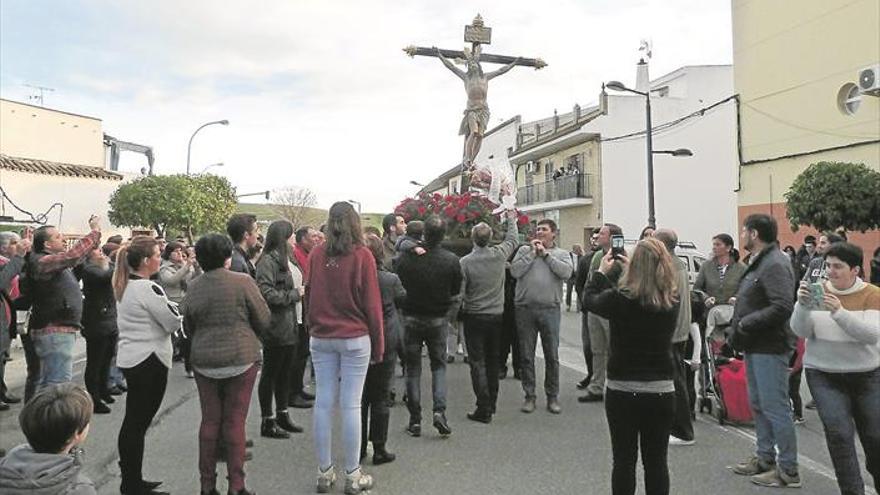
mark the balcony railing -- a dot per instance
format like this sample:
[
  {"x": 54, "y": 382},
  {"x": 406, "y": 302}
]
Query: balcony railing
[{"x": 565, "y": 187}]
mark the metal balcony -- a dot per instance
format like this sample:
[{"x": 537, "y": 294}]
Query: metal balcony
[{"x": 561, "y": 188}]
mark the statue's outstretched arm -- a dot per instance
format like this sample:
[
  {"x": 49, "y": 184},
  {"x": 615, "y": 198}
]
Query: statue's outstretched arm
[
  {"x": 449, "y": 65},
  {"x": 502, "y": 70}
]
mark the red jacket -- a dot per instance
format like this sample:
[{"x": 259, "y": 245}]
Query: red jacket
[
  {"x": 344, "y": 299},
  {"x": 302, "y": 259}
]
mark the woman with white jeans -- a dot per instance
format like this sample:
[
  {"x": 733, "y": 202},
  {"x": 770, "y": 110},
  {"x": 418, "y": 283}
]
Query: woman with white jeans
[{"x": 345, "y": 324}]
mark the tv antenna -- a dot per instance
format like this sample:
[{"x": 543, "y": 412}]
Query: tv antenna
[{"x": 40, "y": 92}]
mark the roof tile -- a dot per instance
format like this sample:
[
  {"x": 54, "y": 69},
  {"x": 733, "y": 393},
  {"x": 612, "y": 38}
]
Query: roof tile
[{"x": 32, "y": 166}]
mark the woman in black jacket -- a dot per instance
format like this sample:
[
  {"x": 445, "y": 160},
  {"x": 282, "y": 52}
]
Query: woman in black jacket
[
  {"x": 279, "y": 341},
  {"x": 99, "y": 327},
  {"x": 640, "y": 395},
  {"x": 375, "y": 414}
]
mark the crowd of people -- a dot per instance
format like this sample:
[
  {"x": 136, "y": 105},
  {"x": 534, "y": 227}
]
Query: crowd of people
[{"x": 242, "y": 310}]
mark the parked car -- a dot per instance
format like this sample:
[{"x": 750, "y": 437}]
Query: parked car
[{"x": 686, "y": 251}]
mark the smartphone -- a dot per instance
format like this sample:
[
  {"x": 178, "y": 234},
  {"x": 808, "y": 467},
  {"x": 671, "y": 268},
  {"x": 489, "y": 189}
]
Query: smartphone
[
  {"x": 818, "y": 294},
  {"x": 617, "y": 246}
]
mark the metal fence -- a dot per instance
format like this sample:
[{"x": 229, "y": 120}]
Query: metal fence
[{"x": 564, "y": 187}]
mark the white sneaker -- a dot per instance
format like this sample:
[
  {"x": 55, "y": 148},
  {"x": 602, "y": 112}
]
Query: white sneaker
[
  {"x": 326, "y": 479},
  {"x": 357, "y": 482},
  {"x": 673, "y": 440}
]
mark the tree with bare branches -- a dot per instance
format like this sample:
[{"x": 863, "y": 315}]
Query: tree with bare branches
[{"x": 296, "y": 204}]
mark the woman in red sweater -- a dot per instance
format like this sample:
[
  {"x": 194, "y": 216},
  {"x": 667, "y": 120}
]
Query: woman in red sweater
[{"x": 345, "y": 324}]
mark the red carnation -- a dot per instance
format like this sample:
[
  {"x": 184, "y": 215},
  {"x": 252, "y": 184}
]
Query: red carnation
[
  {"x": 422, "y": 210},
  {"x": 460, "y": 218}
]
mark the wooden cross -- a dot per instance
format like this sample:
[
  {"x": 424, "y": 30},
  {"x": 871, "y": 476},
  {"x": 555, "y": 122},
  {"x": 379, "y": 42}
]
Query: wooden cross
[
  {"x": 476, "y": 34},
  {"x": 476, "y": 116}
]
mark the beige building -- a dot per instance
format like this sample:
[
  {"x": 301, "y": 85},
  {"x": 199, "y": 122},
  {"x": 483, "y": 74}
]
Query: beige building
[
  {"x": 54, "y": 161},
  {"x": 559, "y": 175},
  {"x": 796, "y": 70}
]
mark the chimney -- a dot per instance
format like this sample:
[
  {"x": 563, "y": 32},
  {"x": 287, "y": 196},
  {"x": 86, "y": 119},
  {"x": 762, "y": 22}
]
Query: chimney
[{"x": 642, "y": 80}]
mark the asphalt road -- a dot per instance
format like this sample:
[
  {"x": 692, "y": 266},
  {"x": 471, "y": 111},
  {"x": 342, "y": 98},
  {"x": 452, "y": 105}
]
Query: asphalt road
[{"x": 516, "y": 454}]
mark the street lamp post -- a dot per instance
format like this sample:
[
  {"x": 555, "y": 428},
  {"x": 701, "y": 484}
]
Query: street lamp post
[
  {"x": 189, "y": 146},
  {"x": 649, "y": 145}
]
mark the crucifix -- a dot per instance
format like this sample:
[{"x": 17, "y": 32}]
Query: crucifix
[{"x": 476, "y": 84}]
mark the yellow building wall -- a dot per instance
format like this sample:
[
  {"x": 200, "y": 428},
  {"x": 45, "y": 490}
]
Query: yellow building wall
[
  {"x": 790, "y": 61},
  {"x": 33, "y": 132}
]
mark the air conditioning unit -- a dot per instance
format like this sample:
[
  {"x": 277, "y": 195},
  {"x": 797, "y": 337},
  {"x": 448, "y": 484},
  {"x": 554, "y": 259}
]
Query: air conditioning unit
[
  {"x": 869, "y": 80},
  {"x": 532, "y": 167}
]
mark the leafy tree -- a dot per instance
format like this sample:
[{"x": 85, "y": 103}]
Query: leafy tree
[
  {"x": 189, "y": 204},
  {"x": 829, "y": 195}
]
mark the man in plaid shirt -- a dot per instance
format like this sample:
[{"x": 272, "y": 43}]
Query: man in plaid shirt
[{"x": 56, "y": 299}]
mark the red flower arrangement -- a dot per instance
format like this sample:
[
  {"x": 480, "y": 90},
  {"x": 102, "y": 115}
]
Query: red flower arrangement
[{"x": 461, "y": 212}]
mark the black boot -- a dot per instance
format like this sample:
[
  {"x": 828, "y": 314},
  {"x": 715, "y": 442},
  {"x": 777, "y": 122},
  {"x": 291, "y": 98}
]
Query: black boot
[
  {"x": 285, "y": 423},
  {"x": 380, "y": 455},
  {"x": 270, "y": 430}
]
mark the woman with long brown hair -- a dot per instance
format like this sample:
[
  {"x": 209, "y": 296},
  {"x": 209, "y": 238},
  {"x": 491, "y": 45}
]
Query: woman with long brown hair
[
  {"x": 640, "y": 394},
  {"x": 146, "y": 320},
  {"x": 345, "y": 323}
]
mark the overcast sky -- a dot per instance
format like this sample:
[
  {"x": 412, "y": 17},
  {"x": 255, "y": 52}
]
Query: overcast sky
[{"x": 319, "y": 93}]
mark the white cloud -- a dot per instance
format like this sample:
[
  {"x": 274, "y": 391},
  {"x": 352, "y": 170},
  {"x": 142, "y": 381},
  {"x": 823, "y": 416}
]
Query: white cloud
[{"x": 319, "y": 93}]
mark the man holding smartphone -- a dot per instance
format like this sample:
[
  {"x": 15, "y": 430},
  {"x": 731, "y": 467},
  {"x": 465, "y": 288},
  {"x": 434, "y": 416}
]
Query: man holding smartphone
[
  {"x": 598, "y": 327},
  {"x": 539, "y": 269}
]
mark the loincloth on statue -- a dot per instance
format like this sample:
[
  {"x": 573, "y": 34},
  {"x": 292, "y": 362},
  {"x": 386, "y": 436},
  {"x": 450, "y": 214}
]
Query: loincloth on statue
[{"x": 478, "y": 117}]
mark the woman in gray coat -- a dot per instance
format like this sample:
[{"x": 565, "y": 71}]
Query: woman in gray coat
[
  {"x": 719, "y": 277},
  {"x": 279, "y": 341},
  {"x": 176, "y": 272},
  {"x": 718, "y": 282}
]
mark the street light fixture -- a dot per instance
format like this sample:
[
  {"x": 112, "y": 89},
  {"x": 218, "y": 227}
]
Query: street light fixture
[
  {"x": 416, "y": 183},
  {"x": 676, "y": 152},
  {"x": 357, "y": 203},
  {"x": 649, "y": 144},
  {"x": 189, "y": 146},
  {"x": 263, "y": 193},
  {"x": 205, "y": 170}
]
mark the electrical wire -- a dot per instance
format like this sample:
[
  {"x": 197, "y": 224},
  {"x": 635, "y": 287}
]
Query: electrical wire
[
  {"x": 41, "y": 218},
  {"x": 666, "y": 125},
  {"x": 808, "y": 129}
]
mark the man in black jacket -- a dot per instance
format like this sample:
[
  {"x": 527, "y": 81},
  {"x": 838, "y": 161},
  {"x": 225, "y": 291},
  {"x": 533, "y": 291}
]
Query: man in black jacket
[
  {"x": 763, "y": 306},
  {"x": 432, "y": 280},
  {"x": 582, "y": 272},
  {"x": 243, "y": 230}
]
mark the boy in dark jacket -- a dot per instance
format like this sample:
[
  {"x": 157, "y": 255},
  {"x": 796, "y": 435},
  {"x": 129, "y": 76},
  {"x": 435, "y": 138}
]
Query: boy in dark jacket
[{"x": 56, "y": 423}]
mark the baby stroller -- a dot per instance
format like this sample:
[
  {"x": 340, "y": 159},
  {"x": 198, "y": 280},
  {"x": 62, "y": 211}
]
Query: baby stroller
[{"x": 723, "y": 389}]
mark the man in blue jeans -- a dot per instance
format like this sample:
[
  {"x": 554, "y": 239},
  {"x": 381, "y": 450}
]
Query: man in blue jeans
[
  {"x": 761, "y": 312},
  {"x": 57, "y": 299},
  {"x": 539, "y": 269},
  {"x": 432, "y": 281}
]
